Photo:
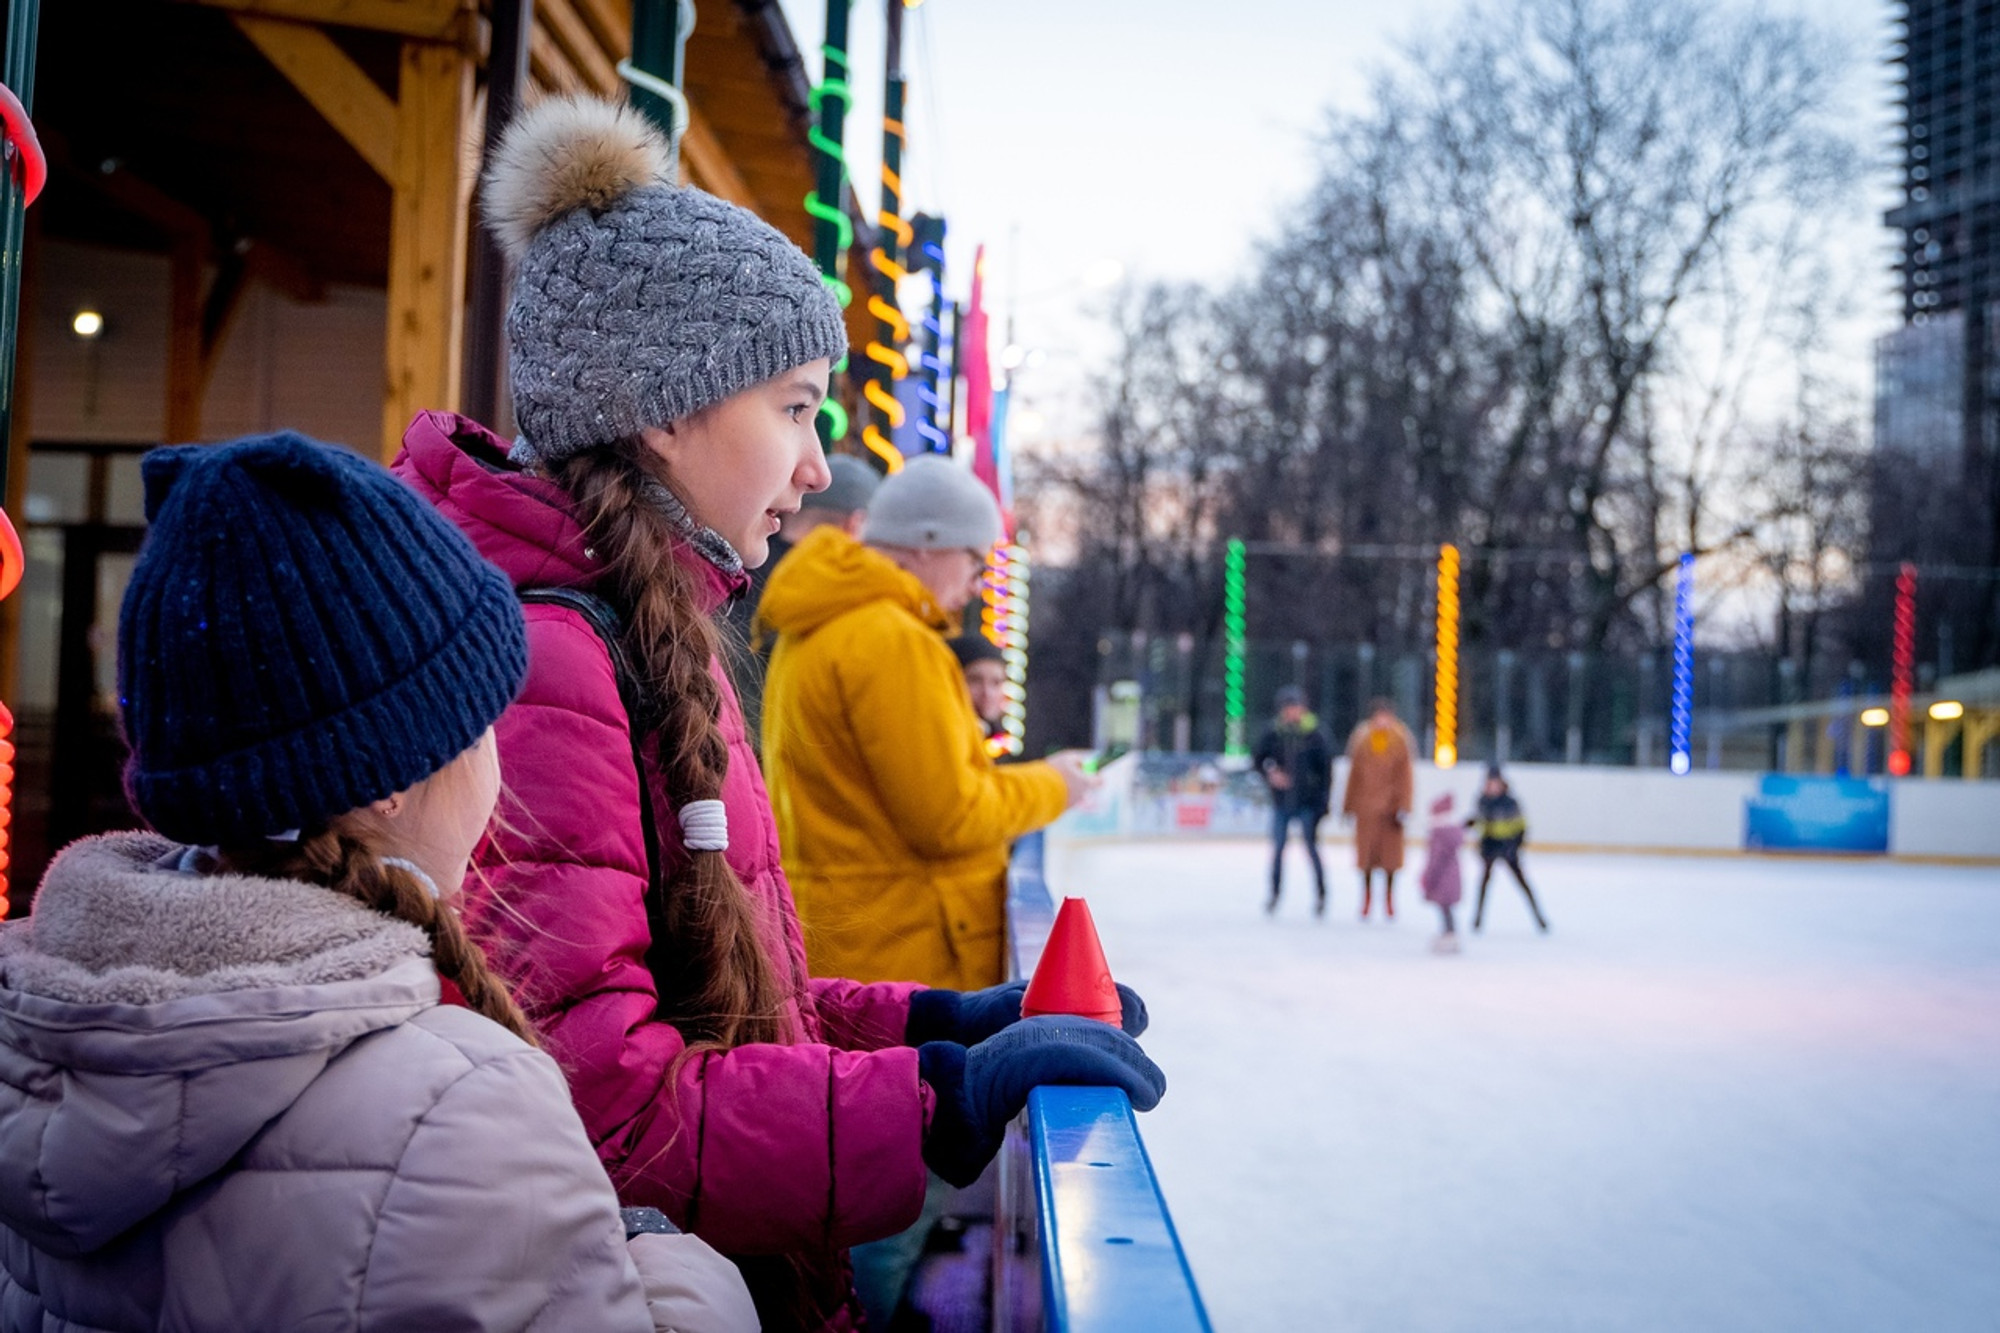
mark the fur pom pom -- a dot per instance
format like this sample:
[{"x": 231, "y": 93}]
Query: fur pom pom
[{"x": 568, "y": 152}]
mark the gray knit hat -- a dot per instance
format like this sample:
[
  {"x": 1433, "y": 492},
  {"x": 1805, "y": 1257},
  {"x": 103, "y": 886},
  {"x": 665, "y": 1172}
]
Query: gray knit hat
[
  {"x": 854, "y": 484},
  {"x": 933, "y": 504},
  {"x": 636, "y": 301}
]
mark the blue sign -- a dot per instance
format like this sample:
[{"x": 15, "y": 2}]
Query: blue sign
[{"x": 1817, "y": 814}]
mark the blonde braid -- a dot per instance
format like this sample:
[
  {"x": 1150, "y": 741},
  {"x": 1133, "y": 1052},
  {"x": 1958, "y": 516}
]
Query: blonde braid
[{"x": 343, "y": 863}]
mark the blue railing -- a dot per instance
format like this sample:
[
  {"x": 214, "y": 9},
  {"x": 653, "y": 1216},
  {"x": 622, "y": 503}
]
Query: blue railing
[{"x": 1083, "y": 1241}]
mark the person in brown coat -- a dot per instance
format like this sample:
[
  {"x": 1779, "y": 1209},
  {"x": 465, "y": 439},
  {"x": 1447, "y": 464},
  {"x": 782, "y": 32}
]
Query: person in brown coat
[{"x": 1380, "y": 783}]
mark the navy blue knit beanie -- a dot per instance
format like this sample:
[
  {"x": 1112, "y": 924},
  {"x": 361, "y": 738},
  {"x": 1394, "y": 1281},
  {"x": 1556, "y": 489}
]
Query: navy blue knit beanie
[{"x": 302, "y": 635}]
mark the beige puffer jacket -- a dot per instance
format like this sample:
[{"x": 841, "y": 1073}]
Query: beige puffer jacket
[{"x": 235, "y": 1103}]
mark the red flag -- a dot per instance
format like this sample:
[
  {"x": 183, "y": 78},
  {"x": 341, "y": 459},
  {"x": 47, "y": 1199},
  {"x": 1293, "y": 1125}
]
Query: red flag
[{"x": 972, "y": 351}]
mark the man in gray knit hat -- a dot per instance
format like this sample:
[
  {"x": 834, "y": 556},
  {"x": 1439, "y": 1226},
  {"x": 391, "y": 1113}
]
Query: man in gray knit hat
[{"x": 894, "y": 820}]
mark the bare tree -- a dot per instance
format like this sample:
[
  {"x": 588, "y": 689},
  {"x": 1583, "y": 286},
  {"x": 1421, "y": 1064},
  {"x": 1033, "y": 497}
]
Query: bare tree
[{"x": 1547, "y": 298}]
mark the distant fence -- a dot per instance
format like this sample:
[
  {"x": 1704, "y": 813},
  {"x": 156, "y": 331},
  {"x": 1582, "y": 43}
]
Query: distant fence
[
  {"x": 1586, "y": 806},
  {"x": 1083, "y": 1241}
]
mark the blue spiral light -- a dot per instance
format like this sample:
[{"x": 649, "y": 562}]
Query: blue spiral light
[{"x": 1680, "y": 744}]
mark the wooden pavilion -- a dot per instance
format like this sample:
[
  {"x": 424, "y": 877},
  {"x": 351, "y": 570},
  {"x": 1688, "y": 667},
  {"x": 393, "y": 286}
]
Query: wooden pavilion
[{"x": 260, "y": 215}]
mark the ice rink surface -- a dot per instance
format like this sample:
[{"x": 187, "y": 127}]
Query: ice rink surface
[{"x": 1722, "y": 1094}]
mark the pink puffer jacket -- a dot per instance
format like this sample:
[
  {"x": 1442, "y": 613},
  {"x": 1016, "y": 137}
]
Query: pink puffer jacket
[{"x": 797, "y": 1150}]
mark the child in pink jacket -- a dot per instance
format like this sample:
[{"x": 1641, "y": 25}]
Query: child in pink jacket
[{"x": 1440, "y": 878}]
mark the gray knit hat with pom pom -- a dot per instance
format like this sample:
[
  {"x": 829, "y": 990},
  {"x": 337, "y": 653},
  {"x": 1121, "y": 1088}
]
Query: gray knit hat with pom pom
[{"x": 636, "y": 301}]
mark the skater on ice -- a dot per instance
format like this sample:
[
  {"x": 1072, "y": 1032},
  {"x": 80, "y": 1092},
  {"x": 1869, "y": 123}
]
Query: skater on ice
[
  {"x": 1297, "y": 764},
  {"x": 1502, "y": 830},
  {"x": 1442, "y": 885},
  {"x": 1381, "y": 779}
]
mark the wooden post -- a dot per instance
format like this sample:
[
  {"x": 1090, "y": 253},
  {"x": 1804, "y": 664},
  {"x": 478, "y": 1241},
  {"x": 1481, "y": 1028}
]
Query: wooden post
[
  {"x": 1981, "y": 726},
  {"x": 485, "y": 336},
  {"x": 426, "y": 237},
  {"x": 185, "y": 380}
]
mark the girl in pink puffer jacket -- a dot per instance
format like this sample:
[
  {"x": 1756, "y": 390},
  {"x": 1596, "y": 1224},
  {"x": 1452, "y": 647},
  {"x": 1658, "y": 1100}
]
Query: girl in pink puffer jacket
[{"x": 668, "y": 354}]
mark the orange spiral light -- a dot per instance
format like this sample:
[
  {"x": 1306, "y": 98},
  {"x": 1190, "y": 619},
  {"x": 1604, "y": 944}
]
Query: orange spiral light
[{"x": 1446, "y": 717}]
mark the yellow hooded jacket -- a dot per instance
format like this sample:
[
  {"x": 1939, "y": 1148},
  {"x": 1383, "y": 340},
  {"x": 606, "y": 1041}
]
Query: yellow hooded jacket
[{"x": 893, "y": 820}]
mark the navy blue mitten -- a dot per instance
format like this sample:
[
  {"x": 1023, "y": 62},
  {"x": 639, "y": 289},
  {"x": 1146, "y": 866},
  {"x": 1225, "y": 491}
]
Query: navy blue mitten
[
  {"x": 980, "y": 1088},
  {"x": 970, "y": 1017}
]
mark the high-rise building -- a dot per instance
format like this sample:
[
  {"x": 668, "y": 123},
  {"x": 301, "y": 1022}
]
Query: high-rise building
[{"x": 1937, "y": 399}]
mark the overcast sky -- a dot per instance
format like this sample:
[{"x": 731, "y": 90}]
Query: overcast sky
[{"x": 1076, "y": 137}]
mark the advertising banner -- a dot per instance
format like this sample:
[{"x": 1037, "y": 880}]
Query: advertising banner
[{"x": 1817, "y": 814}]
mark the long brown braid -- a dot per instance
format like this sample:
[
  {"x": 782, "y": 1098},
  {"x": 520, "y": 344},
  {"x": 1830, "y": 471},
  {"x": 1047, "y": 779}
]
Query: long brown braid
[
  {"x": 715, "y": 981},
  {"x": 339, "y": 861}
]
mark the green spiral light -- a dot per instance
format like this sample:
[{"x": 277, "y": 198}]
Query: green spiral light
[
  {"x": 834, "y": 231},
  {"x": 1233, "y": 644}
]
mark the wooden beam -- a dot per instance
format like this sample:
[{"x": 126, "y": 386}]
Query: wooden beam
[
  {"x": 430, "y": 20},
  {"x": 548, "y": 66},
  {"x": 426, "y": 237},
  {"x": 579, "y": 43},
  {"x": 611, "y": 20},
  {"x": 337, "y": 87},
  {"x": 709, "y": 166}
]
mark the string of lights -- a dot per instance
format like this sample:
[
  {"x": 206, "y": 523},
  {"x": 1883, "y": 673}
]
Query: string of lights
[
  {"x": 1445, "y": 693},
  {"x": 833, "y": 233},
  {"x": 932, "y": 365},
  {"x": 892, "y": 329},
  {"x": 1234, "y": 645},
  {"x": 1902, "y": 668},
  {"x": 12, "y": 563},
  {"x": 1680, "y": 740},
  {"x": 1003, "y": 620}
]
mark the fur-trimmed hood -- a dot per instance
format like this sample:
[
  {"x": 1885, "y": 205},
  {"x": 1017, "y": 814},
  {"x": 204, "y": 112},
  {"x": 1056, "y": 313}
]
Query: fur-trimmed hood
[{"x": 155, "y": 1016}]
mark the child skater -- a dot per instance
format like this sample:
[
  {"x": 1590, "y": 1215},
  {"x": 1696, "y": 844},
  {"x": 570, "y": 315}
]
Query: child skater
[
  {"x": 1441, "y": 881},
  {"x": 668, "y": 354},
  {"x": 232, "y": 1097},
  {"x": 1502, "y": 830}
]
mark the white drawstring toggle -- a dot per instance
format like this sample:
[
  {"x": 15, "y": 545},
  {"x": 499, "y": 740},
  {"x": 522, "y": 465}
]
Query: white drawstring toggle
[{"x": 705, "y": 826}]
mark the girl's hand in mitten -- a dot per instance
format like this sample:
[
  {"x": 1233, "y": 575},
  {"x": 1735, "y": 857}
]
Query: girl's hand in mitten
[
  {"x": 980, "y": 1088},
  {"x": 970, "y": 1017}
]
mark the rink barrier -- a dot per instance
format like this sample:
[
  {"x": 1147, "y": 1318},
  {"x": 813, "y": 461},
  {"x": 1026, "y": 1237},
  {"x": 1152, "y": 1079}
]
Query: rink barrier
[
  {"x": 1083, "y": 1239},
  {"x": 1572, "y": 807}
]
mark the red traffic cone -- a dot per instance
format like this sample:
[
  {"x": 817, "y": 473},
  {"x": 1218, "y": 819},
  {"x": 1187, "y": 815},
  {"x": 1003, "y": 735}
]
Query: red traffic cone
[{"x": 1072, "y": 977}]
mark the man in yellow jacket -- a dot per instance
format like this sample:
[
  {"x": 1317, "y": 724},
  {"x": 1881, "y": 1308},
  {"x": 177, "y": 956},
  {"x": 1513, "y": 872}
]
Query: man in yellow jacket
[{"x": 894, "y": 821}]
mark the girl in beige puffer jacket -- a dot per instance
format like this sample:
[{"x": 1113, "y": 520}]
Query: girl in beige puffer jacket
[{"x": 229, "y": 1095}]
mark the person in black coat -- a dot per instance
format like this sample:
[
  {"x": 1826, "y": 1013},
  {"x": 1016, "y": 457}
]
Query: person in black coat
[
  {"x": 1502, "y": 829},
  {"x": 1297, "y": 764}
]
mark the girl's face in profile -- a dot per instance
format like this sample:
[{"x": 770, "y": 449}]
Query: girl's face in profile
[
  {"x": 742, "y": 464},
  {"x": 437, "y": 822}
]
